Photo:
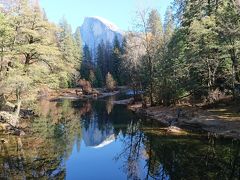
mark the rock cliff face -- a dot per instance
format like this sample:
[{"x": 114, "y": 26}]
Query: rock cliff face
[{"x": 96, "y": 29}]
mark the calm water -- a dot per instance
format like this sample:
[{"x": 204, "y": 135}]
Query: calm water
[{"x": 96, "y": 140}]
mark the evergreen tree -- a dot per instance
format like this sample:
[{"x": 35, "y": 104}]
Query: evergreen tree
[
  {"x": 116, "y": 60},
  {"x": 166, "y": 81},
  {"x": 168, "y": 25},
  {"x": 101, "y": 58},
  {"x": 71, "y": 54},
  {"x": 154, "y": 24},
  {"x": 153, "y": 42},
  {"x": 107, "y": 57},
  {"x": 228, "y": 28},
  {"x": 6, "y": 38},
  {"x": 86, "y": 64},
  {"x": 78, "y": 41},
  {"x": 99, "y": 78},
  {"x": 34, "y": 40}
]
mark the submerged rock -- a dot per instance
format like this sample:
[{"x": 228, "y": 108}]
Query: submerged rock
[{"x": 176, "y": 130}]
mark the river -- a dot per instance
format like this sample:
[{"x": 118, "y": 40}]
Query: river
[{"x": 96, "y": 140}]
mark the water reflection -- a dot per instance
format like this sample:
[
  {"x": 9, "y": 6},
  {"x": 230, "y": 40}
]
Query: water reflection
[
  {"x": 95, "y": 134},
  {"x": 177, "y": 157},
  {"x": 68, "y": 135}
]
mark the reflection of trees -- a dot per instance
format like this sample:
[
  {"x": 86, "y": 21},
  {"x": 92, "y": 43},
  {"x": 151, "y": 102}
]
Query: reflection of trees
[
  {"x": 109, "y": 104},
  {"x": 30, "y": 157},
  {"x": 61, "y": 124},
  {"x": 132, "y": 150},
  {"x": 41, "y": 154},
  {"x": 191, "y": 158},
  {"x": 177, "y": 157},
  {"x": 145, "y": 153}
]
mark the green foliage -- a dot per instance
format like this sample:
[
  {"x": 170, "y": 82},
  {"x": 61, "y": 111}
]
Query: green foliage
[
  {"x": 34, "y": 52},
  {"x": 197, "y": 57},
  {"x": 116, "y": 61},
  {"x": 71, "y": 49},
  {"x": 99, "y": 78},
  {"x": 101, "y": 61},
  {"x": 86, "y": 65},
  {"x": 78, "y": 46}
]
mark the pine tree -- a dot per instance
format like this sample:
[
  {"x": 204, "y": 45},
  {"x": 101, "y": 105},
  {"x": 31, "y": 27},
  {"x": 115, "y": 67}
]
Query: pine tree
[
  {"x": 165, "y": 80},
  {"x": 102, "y": 58},
  {"x": 116, "y": 60},
  {"x": 168, "y": 26},
  {"x": 228, "y": 22},
  {"x": 86, "y": 64},
  {"x": 71, "y": 54},
  {"x": 6, "y": 38},
  {"x": 206, "y": 56},
  {"x": 78, "y": 41},
  {"x": 35, "y": 38},
  {"x": 101, "y": 64},
  {"x": 153, "y": 41},
  {"x": 154, "y": 24},
  {"x": 66, "y": 43},
  {"x": 99, "y": 78}
]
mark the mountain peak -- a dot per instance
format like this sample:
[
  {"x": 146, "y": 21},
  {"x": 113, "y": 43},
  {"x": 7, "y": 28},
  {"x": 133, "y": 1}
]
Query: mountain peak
[
  {"x": 106, "y": 22},
  {"x": 96, "y": 29}
]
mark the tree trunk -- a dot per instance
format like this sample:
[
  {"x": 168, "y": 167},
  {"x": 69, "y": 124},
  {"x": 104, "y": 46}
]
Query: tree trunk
[
  {"x": 151, "y": 80},
  {"x": 236, "y": 71},
  {"x": 235, "y": 65},
  {"x": 17, "y": 109},
  {"x": 1, "y": 68},
  {"x": 28, "y": 59}
]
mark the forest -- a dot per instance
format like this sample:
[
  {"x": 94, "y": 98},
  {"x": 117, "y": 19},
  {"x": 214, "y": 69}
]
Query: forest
[
  {"x": 160, "y": 103},
  {"x": 193, "y": 53}
]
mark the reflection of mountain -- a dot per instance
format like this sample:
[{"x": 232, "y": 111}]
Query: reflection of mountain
[
  {"x": 106, "y": 142},
  {"x": 97, "y": 137}
]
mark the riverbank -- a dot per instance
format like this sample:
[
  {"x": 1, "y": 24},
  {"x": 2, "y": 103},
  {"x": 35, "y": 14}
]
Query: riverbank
[
  {"x": 222, "y": 120},
  {"x": 73, "y": 93},
  {"x": 27, "y": 111}
]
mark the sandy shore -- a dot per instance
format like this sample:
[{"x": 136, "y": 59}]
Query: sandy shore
[{"x": 223, "y": 121}]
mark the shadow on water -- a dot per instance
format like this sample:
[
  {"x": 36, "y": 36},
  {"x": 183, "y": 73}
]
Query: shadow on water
[{"x": 68, "y": 134}]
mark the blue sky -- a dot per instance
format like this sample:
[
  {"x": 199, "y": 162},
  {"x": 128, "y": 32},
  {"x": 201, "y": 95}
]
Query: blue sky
[{"x": 120, "y": 12}]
